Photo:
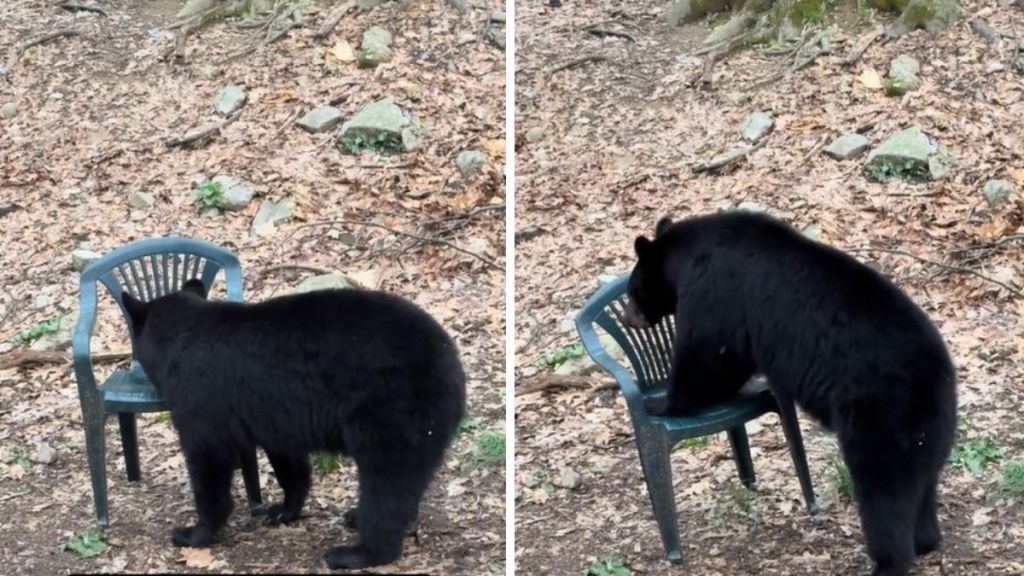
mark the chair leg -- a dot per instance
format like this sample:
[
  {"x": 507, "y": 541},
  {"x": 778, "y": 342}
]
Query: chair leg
[
  {"x": 251, "y": 477},
  {"x": 654, "y": 457},
  {"x": 791, "y": 428},
  {"x": 96, "y": 451},
  {"x": 741, "y": 453},
  {"x": 130, "y": 443}
]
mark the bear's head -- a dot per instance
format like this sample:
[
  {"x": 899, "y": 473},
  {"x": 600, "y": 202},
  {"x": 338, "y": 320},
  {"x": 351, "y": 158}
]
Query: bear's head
[
  {"x": 153, "y": 323},
  {"x": 651, "y": 296}
]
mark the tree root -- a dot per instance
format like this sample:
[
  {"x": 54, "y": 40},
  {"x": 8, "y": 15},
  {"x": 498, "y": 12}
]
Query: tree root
[
  {"x": 333, "y": 18},
  {"x": 71, "y": 7},
  {"x": 49, "y": 37}
]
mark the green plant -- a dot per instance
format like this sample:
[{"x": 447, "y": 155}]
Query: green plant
[
  {"x": 692, "y": 443},
  {"x": 36, "y": 332},
  {"x": 743, "y": 498},
  {"x": 489, "y": 450},
  {"x": 87, "y": 544},
  {"x": 910, "y": 171},
  {"x": 841, "y": 479},
  {"x": 975, "y": 455},
  {"x": 556, "y": 359},
  {"x": 17, "y": 456},
  {"x": 1012, "y": 482},
  {"x": 864, "y": 12},
  {"x": 467, "y": 426},
  {"x": 163, "y": 417},
  {"x": 609, "y": 566},
  {"x": 326, "y": 462},
  {"x": 209, "y": 194},
  {"x": 810, "y": 11},
  {"x": 381, "y": 143}
]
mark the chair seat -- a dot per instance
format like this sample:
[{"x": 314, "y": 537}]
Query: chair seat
[
  {"x": 719, "y": 417},
  {"x": 130, "y": 391}
]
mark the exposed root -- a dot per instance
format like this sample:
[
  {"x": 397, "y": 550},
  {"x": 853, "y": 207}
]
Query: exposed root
[{"x": 50, "y": 37}]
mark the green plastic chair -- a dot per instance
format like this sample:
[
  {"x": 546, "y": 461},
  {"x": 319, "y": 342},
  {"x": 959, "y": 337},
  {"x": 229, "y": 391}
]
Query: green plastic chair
[
  {"x": 146, "y": 269},
  {"x": 649, "y": 353}
]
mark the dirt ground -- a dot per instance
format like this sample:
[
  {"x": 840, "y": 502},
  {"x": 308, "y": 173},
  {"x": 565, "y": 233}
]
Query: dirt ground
[
  {"x": 93, "y": 114},
  {"x": 619, "y": 134}
]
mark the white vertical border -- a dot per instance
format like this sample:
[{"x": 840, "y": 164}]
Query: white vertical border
[{"x": 510, "y": 287}]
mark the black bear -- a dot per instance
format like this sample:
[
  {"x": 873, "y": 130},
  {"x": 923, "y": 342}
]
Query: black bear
[
  {"x": 363, "y": 373},
  {"x": 752, "y": 295}
]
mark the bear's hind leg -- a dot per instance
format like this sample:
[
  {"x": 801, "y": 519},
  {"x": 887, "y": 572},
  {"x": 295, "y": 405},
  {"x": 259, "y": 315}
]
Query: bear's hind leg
[
  {"x": 927, "y": 534},
  {"x": 294, "y": 476},
  {"x": 389, "y": 498},
  {"x": 210, "y": 471}
]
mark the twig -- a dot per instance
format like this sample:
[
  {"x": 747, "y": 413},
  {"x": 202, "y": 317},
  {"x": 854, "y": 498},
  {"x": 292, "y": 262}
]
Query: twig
[
  {"x": 304, "y": 267},
  {"x": 26, "y": 357},
  {"x": 426, "y": 239},
  {"x": 333, "y": 18},
  {"x": 552, "y": 381},
  {"x": 203, "y": 133},
  {"x": 863, "y": 45},
  {"x": 948, "y": 267},
  {"x": 70, "y": 7},
  {"x": 46, "y": 38},
  {"x": 725, "y": 160},
  {"x": 572, "y": 64}
]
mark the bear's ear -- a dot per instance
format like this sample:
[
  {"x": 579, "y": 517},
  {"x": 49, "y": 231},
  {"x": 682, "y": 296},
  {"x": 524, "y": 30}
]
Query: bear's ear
[
  {"x": 195, "y": 286},
  {"x": 661, "y": 226},
  {"x": 643, "y": 246},
  {"x": 136, "y": 309}
]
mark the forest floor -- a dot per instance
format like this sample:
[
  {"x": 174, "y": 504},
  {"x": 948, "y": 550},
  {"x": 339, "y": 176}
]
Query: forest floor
[
  {"x": 612, "y": 143},
  {"x": 87, "y": 132}
]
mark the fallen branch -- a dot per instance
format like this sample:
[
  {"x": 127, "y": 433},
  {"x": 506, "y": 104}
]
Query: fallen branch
[
  {"x": 24, "y": 357},
  {"x": 551, "y": 382},
  {"x": 303, "y": 267},
  {"x": 82, "y": 8},
  {"x": 573, "y": 64},
  {"x": 727, "y": 159},
  {"x": 947, "y": 267},
  {"x": 863, "y": 45},
  {"x": 333, "y": 18},
  {"x": 600, "y": 30},
  {"x": 50, "y": 37},
  {"x": 426, "y": 239},
  {"x": 203, "y": 133}
]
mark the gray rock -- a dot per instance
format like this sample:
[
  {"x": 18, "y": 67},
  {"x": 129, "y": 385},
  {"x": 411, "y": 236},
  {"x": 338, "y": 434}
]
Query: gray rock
[
  {"x": 44, "y": 453},
  {"x": 496, "y": 36},
  {"x": 470, "y": 162},
  {"x": 568, "y": 479},
  {"x": 237, "y": 195},
  {"x": 81, "y": 259},
  {"x": 3, "y": 70},
  {"x": 997, "y": 191},
  {"x": 904, "y": 154},
  {"x": 141, "y": 200},
  {"x": 498, "y": 17},
  {"x": 8, "y": 111},
  {"x": 42, "y": 301},
  {"x": 756, "y": 126},
  {"x": 932, "y": 15},
  {"x": 320, "y": 120},
  {"x": 937, "y": 169},
  {"x": 332, "y": 281},
  {"x": 274, "y": 213},
  {"x": 229, "y": 100},
  {"x": 466, "y": 38},
  {"x": 756, "y": 207},
  {"x": 812, "y": 231},
  {"x": 847, "y": 146},
  {"x": 604, "y": 279},
  {"x": 375, "y": 48},
  {"x": 211, "y": 213},
  {"x": 378, "y": 127},
  {"x": 903, "y": 76},
  {"x": 535, "y": 134}
]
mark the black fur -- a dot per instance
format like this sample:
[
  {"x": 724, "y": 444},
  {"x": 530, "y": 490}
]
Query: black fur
[
  {"x": 751, "y": 294},
  {"x": 363, "y": 373}
]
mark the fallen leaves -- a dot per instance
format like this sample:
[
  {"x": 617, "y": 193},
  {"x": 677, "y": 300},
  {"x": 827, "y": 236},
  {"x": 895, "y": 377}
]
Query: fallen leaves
[{"x": 200, "y": 558}]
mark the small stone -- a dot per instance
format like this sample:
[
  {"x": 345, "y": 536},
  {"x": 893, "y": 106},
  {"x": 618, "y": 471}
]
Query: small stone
[
  {"x": 997, "y": 191},
  {"x": 812, "y": 231},
  {"x": 498, "y": 17},
  {"x": 937, "y": 169},
  {"x": 320, "y": 120},
  {"x": 81, "y": 259},
  {"x": 211, "y": 213},
  {"x": 229, "y": 100},
  {"x": 375, "y": 48},
  {"x": 567, "y": 326},
  {"x": 141, "y": 200},
  {"x": 535, "y": 134},
  {"x": 274, "y": 213},
  {"x": 904, "y": 154},
  {"x": 470, "y": 162},
  {"x": 605, "y": 279},
  {"x": 568, "y": 479},
  {"x": 378, "y": 127},
  {"x": 237, "y": 195},
  {"x": 756, "y": 207},
  {"x": 847, "y": 146},
  {"x": 7, "y": 111},
  {"x": 466, "y": 38},
  {"x": 44, "y": 453},
  {"x": 756, "y": 126},
  {"x": 332, "y": 281},
  {"x": 43, "y": 300}
]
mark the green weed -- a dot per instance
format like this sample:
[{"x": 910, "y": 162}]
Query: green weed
[
  {"x": 841, "y": 479},
  {"x": 36, "y": 332},
  {"x": 1012, "y": 482},
  {"x": 975, "y": 455},
  {"x": 209, "y": 194},
  {"x": 556, "y": 359},
  {"x": 87, "y": 544},
  {"x": 609, "y": 566},
  {"x": 488, "y": 451},
  {"x": 326, "y": 462}
]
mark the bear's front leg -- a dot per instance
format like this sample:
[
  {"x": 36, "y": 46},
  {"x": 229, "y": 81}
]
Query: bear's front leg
[
  {"x": 210, "y": 470},
  {"x": 295, "y": 475}
]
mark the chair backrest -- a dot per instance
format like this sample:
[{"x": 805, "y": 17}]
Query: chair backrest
[
  {"x": 649, "y": 351},
  {"x": 151, "y": 268}
]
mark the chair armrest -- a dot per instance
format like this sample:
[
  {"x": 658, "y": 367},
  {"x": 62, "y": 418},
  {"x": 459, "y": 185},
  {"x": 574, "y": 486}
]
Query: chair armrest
[{"x": 80, "y": 349}]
